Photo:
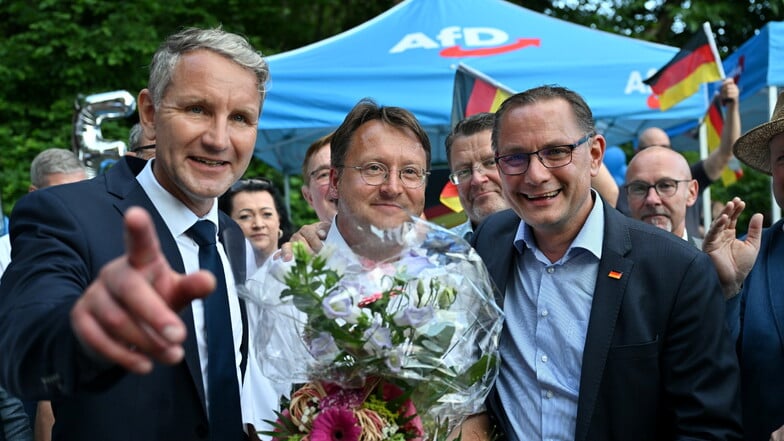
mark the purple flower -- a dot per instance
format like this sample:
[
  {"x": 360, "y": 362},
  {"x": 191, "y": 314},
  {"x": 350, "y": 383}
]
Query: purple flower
[
  {"x": 323, "y": 347},
  {"x": 335, "y": 424},
  {"x": 413, "y": 316},
  {"x": 415, "y": 264},
  {"x": 377, "y": 338},
  {"x": 340, "y": 304},
  {"x": 396, "y": 359}
]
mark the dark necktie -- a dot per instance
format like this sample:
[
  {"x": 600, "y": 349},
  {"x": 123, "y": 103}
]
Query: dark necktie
[{"x": 224, "y": 401}]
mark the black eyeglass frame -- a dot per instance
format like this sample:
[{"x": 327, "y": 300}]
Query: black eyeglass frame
[
  {"x": 641, "y": 195},
  {"x": 142, "y": 148},
  {"x": 502, "y": 161}
]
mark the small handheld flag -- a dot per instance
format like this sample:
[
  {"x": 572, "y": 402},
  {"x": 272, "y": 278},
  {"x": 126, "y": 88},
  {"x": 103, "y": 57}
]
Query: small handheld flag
[{"x": 698, "y": 62}]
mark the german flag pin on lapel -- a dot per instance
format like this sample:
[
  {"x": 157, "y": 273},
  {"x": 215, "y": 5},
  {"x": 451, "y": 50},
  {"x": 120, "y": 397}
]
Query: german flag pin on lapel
[{"x": 615, "y": 275}]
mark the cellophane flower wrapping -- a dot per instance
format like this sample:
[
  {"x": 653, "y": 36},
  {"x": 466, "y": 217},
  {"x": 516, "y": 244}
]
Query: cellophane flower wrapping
[{"x": 401, "y": 349}]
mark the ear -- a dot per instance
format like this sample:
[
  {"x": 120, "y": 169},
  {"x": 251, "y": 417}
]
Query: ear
[
  {"x": 146, "y": 113},
  {"x": 306, "y": 194},
  {"x": 694, "y": 191},
  {"x": 597, "y": 148},
  {"x": 334, "y": 178}
]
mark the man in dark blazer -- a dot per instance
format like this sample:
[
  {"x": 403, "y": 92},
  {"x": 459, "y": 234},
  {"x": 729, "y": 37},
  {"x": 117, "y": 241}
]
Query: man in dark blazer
[
  {"x": 96, "y": 312},
  {"x": 614, "y": 328},
  {"x": 751, "y": 270}
]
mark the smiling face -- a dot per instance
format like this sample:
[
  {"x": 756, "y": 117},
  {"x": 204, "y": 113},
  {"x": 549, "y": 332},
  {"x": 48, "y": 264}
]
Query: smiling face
[
  {"x": 480, "y": 195},
  {"x": 384, "y": 206},
  {"x": 255, "y": 213},
  {"x": 204, "y": 127},
  {"x": 554, "y": 202}
]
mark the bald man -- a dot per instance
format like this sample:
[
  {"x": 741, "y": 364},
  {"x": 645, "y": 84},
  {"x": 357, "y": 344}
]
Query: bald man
[
  {"x": 659, "y": 189},
  {"x": 709, "y": 169}
]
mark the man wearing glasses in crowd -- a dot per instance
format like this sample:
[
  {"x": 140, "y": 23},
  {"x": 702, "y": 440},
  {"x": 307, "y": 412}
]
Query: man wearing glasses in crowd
[
  {"x": 315, "y": 176},
  {"x": 614, "y": 329},
  {"x": 380, "y": 163},
  {"x": 659, "y": 189},
  {"x": 470, "y": 156}
]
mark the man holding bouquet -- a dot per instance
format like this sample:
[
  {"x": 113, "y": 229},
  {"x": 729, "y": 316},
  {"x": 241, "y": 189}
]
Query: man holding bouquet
[{"x": 392, "y": 327}]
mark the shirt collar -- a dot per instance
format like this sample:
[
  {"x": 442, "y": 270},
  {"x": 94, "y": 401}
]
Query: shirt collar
[
  {"x": 178, "y": 217},
  {"x": 590, "y": 237}
]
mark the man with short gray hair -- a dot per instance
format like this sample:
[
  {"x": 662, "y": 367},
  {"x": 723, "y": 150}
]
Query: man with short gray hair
[
  {"x": 54, "y": 167},
  {"x": 121, "y": 304}
]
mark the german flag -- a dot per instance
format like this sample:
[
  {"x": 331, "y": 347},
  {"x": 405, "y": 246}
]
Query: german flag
[
  {"x": 450, "y": 198},
  {"x": 698, "y": 62},
  {"x": 714, "y": 124},
  {"x": 475, "y": 92}
]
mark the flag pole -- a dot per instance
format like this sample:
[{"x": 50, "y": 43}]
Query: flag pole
[
  {"x": 706, "y": 195},
  {"x": 707, "y": 28}
]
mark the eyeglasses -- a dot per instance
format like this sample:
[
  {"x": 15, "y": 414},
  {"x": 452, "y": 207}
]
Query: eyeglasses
[
  {"x": 551, "y": 157},
  {"x": 244, "y": 184},
  {"x": 320, "y": 175},
  {"x": 376, "y": 173},
  {"x": 465, "y": 174},
  {"x": 664, "y": 188},
  {"x": 142, "y": 148}
]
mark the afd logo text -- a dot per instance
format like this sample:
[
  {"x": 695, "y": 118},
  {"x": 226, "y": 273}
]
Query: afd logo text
[{"x": 476, "y": 41}]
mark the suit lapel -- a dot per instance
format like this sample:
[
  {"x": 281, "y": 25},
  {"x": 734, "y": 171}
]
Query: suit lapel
[
  {"x": 498, "y": 252},
  {"x": 121, "y": 182},
  {"x": 614, "y": 273}
]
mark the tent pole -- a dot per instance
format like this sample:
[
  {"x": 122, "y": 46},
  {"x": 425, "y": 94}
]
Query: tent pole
[
  {"x": 287, "y": 193},
  {"x": 775, "y": 210},
  {"x": 706, "y": 194}
]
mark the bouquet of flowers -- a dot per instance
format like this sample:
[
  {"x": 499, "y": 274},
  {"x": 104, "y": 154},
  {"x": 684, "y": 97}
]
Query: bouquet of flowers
[{"x": 402, "y": 349}]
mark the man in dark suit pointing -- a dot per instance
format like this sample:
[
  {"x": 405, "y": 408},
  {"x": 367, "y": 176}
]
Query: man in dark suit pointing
[{"x": 96, "y": 310}]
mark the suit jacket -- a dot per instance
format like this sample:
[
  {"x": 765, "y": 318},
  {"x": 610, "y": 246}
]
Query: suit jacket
[
  {"x": 756, "y": 319},
  {"x": 658, "y": 361},
  {"x": 62, "y": 237}
]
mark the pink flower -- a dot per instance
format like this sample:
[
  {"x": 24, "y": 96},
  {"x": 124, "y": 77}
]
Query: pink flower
[
  {"x": 335, "y": 424},
  {"x": 340, "y": 397},
  {"x": 414, "y": 425},
  {"x": 370, "y": 299}
]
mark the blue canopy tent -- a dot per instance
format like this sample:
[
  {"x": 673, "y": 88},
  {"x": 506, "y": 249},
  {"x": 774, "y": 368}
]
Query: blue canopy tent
[
  {"x": 407, "y": 57},
  {"x": 760, "y": 70}
]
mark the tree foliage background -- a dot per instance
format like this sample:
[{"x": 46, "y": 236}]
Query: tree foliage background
[{"x": 53, "y": 51}]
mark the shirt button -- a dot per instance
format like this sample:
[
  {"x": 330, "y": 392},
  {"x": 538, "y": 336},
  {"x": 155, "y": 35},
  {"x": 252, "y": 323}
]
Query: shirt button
[
  {"x": 544, "y": 358},
  {"x": 545, "y": 313},
  {"x": 548, "y": 394},
  {"x": 550, "y": 270}
]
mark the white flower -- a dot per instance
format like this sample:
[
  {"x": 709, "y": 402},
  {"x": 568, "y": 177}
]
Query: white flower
[
  {"x": 340, "y": 305},
  {"x": 377, "y": 338},
  {"x": 396, "y": 359},
  {"x": 323, "y": 347},
  {"x": 413, "y": 316}
]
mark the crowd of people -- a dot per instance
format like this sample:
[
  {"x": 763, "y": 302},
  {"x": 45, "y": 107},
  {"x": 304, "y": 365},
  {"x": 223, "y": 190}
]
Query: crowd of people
[{"x": 122, "y": 317}]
